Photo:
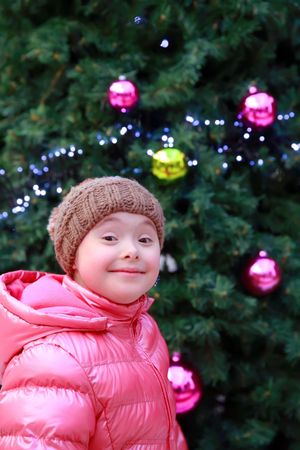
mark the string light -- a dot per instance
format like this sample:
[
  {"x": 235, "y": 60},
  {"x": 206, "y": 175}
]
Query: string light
[
  {"x": 22, "y": 203},
  {"x": 164, "y": 43},
  {"x": 135, "y": 132}
]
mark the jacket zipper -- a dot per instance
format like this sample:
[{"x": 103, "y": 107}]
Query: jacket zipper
[{"x": 159, "y": 379}]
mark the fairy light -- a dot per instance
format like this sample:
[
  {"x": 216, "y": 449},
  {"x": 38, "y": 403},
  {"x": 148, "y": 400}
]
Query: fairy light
[
  {"x": 137, "y": 20},
  {"x": 164, "y": 43},
  {"x": 189, "y": 119},
  {"x": 171, "y": 141},
  {"x": 168, "y": 141},
  {"x": 196, "y": 122},
  {"x": 192, "y": 163},
  {"x": 46, "y": 161},
  {"x": 3, "y": 215}
]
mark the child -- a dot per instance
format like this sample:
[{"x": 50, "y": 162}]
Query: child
[{"x": 83, "y": 364}]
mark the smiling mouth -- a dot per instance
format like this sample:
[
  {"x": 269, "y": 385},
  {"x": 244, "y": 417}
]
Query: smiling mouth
[{"x": 132, "y": 271}]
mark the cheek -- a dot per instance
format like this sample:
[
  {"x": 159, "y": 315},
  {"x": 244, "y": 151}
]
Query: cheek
[
  {"x": 155, "y": 263},
  {"x": 84, "y": 256}
]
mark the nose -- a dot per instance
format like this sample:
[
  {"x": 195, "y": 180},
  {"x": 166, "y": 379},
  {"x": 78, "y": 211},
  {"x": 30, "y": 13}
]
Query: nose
[{"x": 129, "y": 251}]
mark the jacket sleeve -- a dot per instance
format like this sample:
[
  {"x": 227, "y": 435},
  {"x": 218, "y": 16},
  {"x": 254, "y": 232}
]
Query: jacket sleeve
[{"x": 46, "y": 402}]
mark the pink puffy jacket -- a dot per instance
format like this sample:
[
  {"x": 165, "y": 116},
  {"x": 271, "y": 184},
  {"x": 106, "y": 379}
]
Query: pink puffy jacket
[{"x": 79, "y": 372}]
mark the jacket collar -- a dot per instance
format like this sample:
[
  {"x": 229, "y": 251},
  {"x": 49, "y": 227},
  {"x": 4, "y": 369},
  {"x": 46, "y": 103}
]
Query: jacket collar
[{"x": 111, "y": 310}]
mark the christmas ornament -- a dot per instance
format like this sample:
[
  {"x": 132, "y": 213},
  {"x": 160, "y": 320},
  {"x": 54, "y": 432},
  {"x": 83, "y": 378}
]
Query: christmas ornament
[
  {"x": 123, "y": 95},
  {"x": 258, "y": 109},
  {"x": 186, "y": 384},
  {"x": 168, "y": 262},
  {"x": 169, "y": 164},
  {"x": 261, "y": 275}
]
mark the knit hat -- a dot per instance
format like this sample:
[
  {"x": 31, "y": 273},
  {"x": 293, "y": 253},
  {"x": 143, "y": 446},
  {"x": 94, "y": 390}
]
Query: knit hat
[{"x": 88, "y": 203}]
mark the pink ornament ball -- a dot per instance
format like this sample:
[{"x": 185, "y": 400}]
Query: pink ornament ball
[
  {"x": 186, "y": 384},
  {"x": 258, "y": 109},
  {"x": 261, "y": 275},
  {"x": 123, "y": 95}
]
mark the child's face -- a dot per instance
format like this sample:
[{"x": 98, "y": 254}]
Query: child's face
[{"x": 119, "y": 258}]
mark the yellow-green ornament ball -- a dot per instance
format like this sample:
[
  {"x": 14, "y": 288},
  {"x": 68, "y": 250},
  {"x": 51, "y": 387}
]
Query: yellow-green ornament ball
[{"x": 169, "y": 164}]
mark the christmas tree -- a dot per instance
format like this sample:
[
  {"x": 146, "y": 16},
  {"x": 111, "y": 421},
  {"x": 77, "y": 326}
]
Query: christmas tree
[{"x": 229, "y": 187}]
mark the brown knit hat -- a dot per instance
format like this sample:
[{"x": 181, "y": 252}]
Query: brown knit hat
[{"x": 88, "y": 203}]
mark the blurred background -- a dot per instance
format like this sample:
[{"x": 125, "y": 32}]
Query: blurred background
[{"x": 200, "y": 102}]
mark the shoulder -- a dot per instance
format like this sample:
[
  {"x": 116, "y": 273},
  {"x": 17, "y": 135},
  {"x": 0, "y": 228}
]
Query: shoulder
[
  {"x": 47, "y": 396},
  {"x": 46, "y": 364}
]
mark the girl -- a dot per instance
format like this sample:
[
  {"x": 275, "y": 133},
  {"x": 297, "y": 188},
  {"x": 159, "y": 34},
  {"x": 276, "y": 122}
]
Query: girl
[{"x": 83, "y": 364}]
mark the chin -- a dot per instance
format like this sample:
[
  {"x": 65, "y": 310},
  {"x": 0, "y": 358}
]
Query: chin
[{"x": 125, "y": 301}]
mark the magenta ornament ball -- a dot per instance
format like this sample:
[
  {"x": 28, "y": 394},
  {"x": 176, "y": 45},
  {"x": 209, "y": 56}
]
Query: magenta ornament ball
[
  {"x": 123, "y": 95},
  {"x": 186, "y": 384},
  {"x": 258, "y": 109},
  {"x": 261, "y": 275}
]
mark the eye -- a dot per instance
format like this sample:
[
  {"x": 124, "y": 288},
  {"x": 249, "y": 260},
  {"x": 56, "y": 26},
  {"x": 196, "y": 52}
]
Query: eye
[
  {"x": 145, "y": 240},
  {"x": 109, "y": 238}
]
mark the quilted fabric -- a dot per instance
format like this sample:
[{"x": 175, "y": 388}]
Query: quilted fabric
[{"x": 79, "y": 372}]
